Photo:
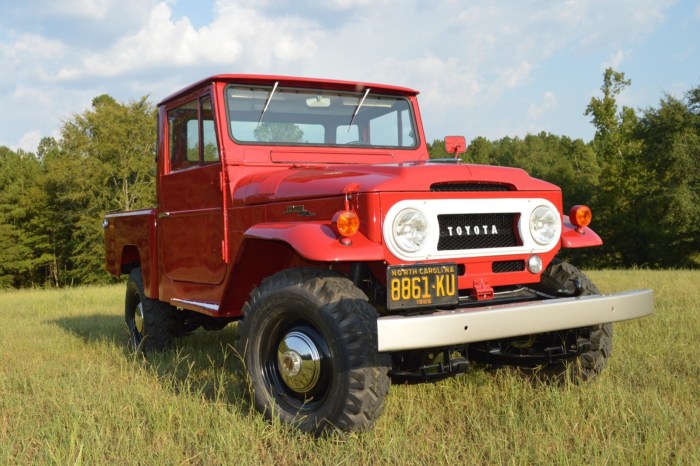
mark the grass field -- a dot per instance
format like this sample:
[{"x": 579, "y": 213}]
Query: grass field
[{"x": 71, "y": 393}]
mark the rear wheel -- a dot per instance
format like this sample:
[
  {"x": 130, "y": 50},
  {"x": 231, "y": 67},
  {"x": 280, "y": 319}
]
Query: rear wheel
[
  {"x": 151, "y": 323},
  {"x": 308, "y": 339}
]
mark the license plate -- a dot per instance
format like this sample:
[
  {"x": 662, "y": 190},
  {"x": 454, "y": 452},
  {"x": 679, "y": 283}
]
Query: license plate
[{"x": 414, "y": 286}]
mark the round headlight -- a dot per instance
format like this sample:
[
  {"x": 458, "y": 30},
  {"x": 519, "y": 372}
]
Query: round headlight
[
  {"x": 410, "y": 230},
  {"x": 544, "y": 225}
]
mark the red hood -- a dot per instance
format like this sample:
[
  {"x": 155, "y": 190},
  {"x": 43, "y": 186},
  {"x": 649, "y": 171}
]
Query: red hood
[{"x": 312, "y": 182}]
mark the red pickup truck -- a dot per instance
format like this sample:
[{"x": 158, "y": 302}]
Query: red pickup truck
[{"x": 308, "y": 211}]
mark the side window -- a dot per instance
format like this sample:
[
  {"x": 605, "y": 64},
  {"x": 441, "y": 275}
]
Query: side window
[
  {"x": 192, "y": 153},
  {"x": 183, "y": 136},
  {"x": 210, "y": 148},
  {"x": 408, "y": 135},
  {"x": 192, "y": 135}
]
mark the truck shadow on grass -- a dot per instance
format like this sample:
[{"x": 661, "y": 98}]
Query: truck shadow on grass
[
  {"x": 95, "y": 328},
  {"x": 204, "y": 364}
]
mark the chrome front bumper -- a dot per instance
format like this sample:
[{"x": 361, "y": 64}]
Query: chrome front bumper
[{"x": 445, "y": 328}]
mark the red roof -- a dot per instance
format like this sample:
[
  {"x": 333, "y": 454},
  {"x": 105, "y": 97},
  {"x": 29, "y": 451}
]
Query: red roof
[{"x": 295, "y": 81}]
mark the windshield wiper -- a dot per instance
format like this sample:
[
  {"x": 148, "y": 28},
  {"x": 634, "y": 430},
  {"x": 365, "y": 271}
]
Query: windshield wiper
[
  {"x": 269, "y": 99},
  {"x": 357, "y": 109}
]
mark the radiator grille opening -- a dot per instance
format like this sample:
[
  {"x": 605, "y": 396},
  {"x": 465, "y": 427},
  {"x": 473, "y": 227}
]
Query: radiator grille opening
[
  {"x": 508, "y": 266},
  {"x": 470, "y": 187},
  {"x": 478, "y": 231}
]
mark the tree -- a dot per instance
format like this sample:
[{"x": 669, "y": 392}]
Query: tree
[
  {"x": 569, "y": 164},
  {"x": 480, "y": 150},
  {"x": 21, "y": 255},
  {"x": 104, "y": 162},
  {"x": 671, "y": 153},
  {"x": 623, "y": 182}
]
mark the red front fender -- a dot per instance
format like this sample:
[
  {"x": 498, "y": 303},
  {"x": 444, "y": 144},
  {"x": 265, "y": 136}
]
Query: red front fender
[
  {"x": 571, "y": 237},
  {"x": 317, "y": 241}
]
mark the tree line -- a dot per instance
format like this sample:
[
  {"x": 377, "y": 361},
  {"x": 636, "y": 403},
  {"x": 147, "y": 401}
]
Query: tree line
[
  {"x": 640, "y": 175},
  {"x": 52, "y": 203}
]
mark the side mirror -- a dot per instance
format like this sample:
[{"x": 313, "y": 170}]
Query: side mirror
[{"x": 455, "y": 145}]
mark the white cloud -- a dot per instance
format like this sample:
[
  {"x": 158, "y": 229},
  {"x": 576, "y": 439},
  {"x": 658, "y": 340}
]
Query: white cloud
[
  {"x": 81, "y": 24},
  {"x": 93, "y": 10},
  {"x": 237, "y": 33},
  {"x": 29, "y": 141},
  {"x": 38, "y": 46},
  {"x": 549, "y": 102},
  {"x": 88, "y": 9},
  {"x": 348, "y": 4},
  {"x": 160, "y": 41},
  {"x": 600, "y": 23},
  {"x": 464, "y": 57},
  {"x": 615, "y": 60},
  {"x": 39, "y": 110},
  {"x": 25, "y": 58},
  {"x": 513, "y": 76}
]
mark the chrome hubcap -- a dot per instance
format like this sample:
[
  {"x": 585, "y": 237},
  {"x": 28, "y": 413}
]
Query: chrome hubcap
[
  {"x": 138, "y": 319},
  {"x": 299, "y": 361}
]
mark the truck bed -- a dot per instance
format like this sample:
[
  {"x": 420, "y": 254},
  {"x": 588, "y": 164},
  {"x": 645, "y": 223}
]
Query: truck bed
[{"x": 130, "y": 239}]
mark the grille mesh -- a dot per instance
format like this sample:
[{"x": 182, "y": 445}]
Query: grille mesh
[
  {"x": 508, "y": 266},
  {"x": 469, "y": 187},
  {"x": 477, "y": 231}
]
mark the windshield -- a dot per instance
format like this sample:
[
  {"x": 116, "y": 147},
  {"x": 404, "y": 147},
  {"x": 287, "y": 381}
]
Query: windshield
[{"x": 278, "y": 115}]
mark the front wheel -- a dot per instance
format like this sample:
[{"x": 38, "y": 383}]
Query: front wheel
[
  {"x": 309, "y": 342},
  {"x": 562, "y": 278},
  {"x": 578, "y": 354}
]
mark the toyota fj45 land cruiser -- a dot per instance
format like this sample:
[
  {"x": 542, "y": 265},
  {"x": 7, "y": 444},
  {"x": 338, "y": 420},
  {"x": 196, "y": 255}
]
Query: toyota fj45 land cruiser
[{"x": 309, "y": 212}]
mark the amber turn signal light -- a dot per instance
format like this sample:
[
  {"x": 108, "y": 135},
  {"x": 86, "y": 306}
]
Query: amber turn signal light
[
  {"x": 346, "y": 222},
  {"x": 580, "y": 216}
]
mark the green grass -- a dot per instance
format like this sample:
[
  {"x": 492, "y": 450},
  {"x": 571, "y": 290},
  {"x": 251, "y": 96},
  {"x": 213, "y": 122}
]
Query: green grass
[{"x": 72, "y": 393}]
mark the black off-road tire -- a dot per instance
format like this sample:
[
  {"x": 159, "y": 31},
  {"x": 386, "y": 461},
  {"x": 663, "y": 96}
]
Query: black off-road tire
[
  {"x": 152, "y": 324},
  {"x": 563, "y": 279},
  {"x": 344, "y": 385}
]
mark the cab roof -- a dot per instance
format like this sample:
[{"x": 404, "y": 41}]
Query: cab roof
[{"x": 292, "y": 81}]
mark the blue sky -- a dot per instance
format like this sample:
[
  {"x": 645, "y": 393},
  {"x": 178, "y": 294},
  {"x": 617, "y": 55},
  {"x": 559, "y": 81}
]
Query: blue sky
[{"x": 484, "y": 68}]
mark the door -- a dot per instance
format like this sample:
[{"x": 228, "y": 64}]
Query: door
[{"x": 191, "y": 218}]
